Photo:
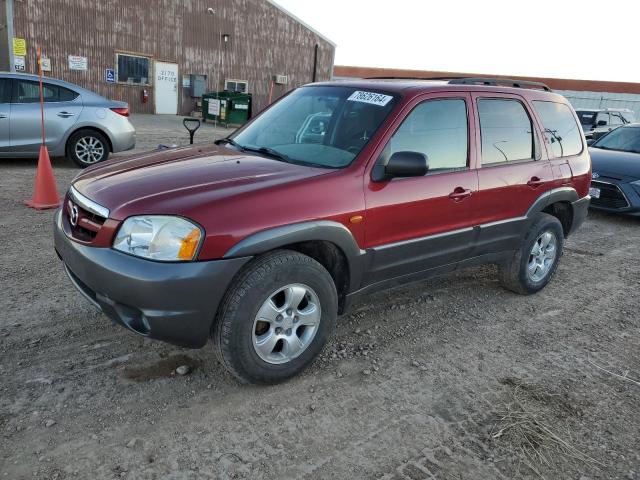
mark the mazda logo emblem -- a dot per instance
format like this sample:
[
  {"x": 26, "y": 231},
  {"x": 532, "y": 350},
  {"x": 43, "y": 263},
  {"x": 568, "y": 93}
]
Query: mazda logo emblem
[
  {"x": 73, "y": 217},
  {"x": 595, "y": 175}
]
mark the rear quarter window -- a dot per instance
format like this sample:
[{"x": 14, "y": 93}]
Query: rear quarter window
[
  {"x": 5, "y": 90},
  {"x": 560, "y": 128}
]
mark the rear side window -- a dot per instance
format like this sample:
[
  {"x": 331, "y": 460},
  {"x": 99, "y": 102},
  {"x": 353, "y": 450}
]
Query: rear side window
[
  {"x": 29, "y": 92},
  {"x": 506, "y": 131},
  {"x": 5, "y": 90},
  {"x": 560, "y": 128},
  {"x": 437, "y": 128}
]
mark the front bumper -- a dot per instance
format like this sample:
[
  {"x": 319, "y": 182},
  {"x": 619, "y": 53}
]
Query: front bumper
[
  {"x": 616, "y": 196},
  {"x": 174, "y": 302}
]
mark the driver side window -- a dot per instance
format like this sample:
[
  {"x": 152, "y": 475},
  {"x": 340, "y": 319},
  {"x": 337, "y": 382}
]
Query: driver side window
[{"x": 439, "y": 129}]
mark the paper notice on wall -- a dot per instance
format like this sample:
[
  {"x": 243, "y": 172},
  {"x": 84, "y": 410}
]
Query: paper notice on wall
[
  {"x": 78, "y": 63},
  {"x": 46, "y": 64},
  {"x": 214, "y": 107},
  {"x": 19, "y": 63},
  {"x": 19, "y": 47}
]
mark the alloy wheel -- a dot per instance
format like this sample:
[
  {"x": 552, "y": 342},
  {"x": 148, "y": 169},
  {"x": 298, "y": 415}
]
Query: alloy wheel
[
  {"x": 542, "y": 256},
  {"x": 89, "y": 150},
  {"x": 286, "y": 323}
]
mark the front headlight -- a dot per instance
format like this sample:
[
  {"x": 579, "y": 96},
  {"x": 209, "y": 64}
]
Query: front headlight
[{"x": 159, "y": 237}]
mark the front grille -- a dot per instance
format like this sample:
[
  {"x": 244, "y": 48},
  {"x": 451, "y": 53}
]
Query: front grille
[
  {"x": 87, "y": 224},
  {"x": 610, "y": 196},
  {"x": 85, "y": 217}
]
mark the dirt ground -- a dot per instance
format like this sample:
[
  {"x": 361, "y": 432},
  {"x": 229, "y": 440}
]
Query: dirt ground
[{"x": 454, "y": 378}]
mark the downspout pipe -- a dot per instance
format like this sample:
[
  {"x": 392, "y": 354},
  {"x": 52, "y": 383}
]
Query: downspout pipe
[{"x": 315, "y": 63}]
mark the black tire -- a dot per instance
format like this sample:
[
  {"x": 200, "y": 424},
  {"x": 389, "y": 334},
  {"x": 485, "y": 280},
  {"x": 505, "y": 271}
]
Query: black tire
[
  {"x": 90, "y": 137},
  {"x": 514, "y": 275},
  {"x": 234, "y": 325}
]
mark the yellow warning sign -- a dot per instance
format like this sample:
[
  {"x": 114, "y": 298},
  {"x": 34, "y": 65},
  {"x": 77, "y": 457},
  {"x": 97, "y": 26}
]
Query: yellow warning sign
[{"x": 19, "y": 47}]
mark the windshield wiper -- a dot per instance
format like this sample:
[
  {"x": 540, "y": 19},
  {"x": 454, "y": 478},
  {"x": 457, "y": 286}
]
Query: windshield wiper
[
  {"x": 269, "y": 152},
  {"x": 228, "y": 141}
]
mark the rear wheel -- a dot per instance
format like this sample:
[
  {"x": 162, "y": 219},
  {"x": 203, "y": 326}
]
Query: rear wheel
[
  {"x": 275, "y": 317},
  {"x": 533, "y": 266},
  {"x": 87, "y": 147}
]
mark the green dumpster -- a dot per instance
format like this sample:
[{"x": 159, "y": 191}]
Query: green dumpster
[{"x": 229, "y": 108}]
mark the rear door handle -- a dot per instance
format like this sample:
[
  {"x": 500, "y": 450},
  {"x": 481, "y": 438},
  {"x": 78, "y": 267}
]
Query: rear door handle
[
  {"x": 66, "y": 114},
  {"x": 2, "y": 116},
  {"x": 460, "y": 194},
  {"x": 535, "y": 182}
]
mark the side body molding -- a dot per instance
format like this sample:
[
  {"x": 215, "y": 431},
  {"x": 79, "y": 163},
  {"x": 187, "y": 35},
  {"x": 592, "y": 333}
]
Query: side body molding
[{"x": 318, "y": 230}]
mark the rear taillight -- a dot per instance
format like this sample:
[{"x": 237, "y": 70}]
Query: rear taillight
[{"x": 122, "y": 111}]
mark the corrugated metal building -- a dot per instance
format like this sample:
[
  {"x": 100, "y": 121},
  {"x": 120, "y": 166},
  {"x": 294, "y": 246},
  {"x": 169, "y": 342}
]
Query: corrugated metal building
[
  {"x": 153, "y": 46},
  {"x": 581, "y": 93}
]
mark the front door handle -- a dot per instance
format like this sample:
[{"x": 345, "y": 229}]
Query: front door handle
[
  {"x": 460, "y": 194},
  {"x": 2, "y": 116},
  {"x": 535, "y": 182},
  {"x": 66, "y": 114}
]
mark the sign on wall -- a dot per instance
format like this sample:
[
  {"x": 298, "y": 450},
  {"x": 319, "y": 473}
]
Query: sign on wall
[
  {"x": 214, "y": 107},
  {"x": 110, "y": 75},
  {"x": 78, "y": 63},
  {"x": 19, "y": 63},
  {"x": 19, "y": 47},
  {"x": 46, "y": 64}
]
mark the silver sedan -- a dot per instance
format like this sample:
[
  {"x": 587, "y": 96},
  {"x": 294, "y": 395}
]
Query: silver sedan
[{"x": 79, "y": 124}]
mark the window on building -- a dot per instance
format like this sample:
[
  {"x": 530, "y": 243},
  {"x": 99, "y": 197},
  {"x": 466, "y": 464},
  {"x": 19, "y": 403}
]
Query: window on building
[
  {"x": 29, "y": 92},
  {"x": 240, "y": 86},
  {"x": 437, "y": 128},
  {"x": 560, "y": 128},
  {"x": 133, "y": 69},
  {"x": 506, "y": 131}
]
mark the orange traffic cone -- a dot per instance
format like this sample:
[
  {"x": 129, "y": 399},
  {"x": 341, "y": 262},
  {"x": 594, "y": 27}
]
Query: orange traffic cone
[{"x": 45, "y": 191}]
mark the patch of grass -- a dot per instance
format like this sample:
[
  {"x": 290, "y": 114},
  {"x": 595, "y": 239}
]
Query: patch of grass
[{"x": 522, "y": 426}]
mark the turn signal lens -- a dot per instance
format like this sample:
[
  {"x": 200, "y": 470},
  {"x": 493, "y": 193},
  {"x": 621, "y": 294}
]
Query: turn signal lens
[{"x": 189, "y": 245}]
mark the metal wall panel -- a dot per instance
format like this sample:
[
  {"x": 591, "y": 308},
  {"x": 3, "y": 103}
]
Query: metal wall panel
[
  {"x": 264, "y": 41},
  {"x": 602, "y": 100}
]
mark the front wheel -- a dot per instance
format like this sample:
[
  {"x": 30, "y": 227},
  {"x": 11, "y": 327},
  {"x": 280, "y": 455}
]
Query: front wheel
[
  {"x": 275, "y": 317},
  {"x": 533, "y": 265},
  {"x": 87, "y": 147}
]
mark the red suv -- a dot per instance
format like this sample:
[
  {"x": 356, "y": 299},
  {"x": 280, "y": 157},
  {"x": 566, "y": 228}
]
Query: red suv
[{"x": 336, "y": 191}]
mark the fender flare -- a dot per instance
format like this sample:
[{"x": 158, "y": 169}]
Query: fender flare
[
  {"x": 317, "y": 230},
  {"x": 562, "y": 194}
]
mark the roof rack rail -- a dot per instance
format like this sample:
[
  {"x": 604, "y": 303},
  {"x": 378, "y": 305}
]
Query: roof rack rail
[
  {"x": 408, "y": 78},
  {"x": 499, "y": 81}
]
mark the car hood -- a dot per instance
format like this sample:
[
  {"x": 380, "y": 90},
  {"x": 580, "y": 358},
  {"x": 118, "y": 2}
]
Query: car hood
[
  {"x": 620, "y": 164},
  {"x": 179, "y": 181}
]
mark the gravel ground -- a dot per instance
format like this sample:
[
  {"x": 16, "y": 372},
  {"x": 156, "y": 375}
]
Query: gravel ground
[{"x": 454, "y": 378}]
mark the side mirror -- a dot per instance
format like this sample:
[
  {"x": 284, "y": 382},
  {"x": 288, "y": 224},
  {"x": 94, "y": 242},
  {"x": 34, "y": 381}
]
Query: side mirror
[
  {"x": 601, "y": 123},
  {"x": 402, "y": 164},
  {"x": 590, "y": 142}
]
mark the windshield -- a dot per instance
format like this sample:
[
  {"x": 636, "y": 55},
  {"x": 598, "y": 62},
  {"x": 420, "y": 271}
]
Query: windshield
[
  {"x": 326, "y": 126},
  {"x": 624, "y": 139},
  {"x": 586, "y": 118}
]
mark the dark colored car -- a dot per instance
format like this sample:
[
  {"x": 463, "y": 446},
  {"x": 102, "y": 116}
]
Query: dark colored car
[
  {"x": 336, "y": 191},
  {"x": 616, "y": 171}
]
